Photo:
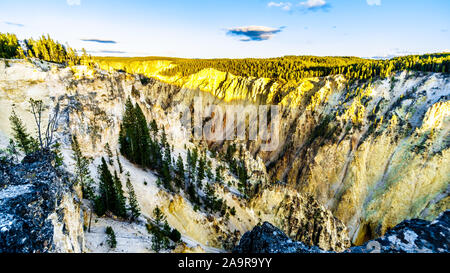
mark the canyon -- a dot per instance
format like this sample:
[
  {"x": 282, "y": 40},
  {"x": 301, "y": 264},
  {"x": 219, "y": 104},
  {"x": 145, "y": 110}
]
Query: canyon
[{"x": 353, "y": 161}]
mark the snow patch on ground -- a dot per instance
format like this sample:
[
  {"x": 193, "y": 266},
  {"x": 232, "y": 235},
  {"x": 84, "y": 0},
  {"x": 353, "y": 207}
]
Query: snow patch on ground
[
  {"x": 131, "y": 237},
  {"x": 4, "y": 140},
  {"x": 14, "y": 191},
  {"x": 6, "y": 221},
  {"x": 408, "y": 241}
]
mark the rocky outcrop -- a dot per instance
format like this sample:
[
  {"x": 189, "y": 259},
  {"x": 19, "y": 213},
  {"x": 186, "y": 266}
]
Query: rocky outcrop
[
  {"x": 266, "y": 238},
  {"x": 411, "y": 236},
  {"x": 33, "y": 216}
]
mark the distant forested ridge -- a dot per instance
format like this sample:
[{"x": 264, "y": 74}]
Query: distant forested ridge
[
  {"x": 294, "y": 68},
  {"x": 288, "y": 68},
  {"x": 297, "y": 67}
]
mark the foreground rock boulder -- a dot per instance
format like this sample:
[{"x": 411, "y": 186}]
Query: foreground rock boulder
[
  {"x": 38, "y": 208},
  {"x": 411, "y": 236},
  {"x": 267, "y": 238}
]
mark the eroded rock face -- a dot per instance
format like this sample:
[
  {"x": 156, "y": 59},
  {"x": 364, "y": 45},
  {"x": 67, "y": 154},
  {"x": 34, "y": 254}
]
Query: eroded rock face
[
  {"x": 302, "y": 218},
  {"x": 411, "y": 236},
  {"x": 32, "y": 214}
]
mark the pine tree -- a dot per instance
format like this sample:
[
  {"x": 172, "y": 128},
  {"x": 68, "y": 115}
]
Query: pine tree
[
  {"x": 189, "y": 166},
  {"x": 12, "y": 150},
  {"x": 243, "y": 176},
  {"x": 99, "y": 206},
  {"x": 160, "y": 230},
  {"x": 231, "y": 149},
  {"x": 192, "y": 164},
  {"x": 58, "y": 156},
  {"x": 127, "y": 132},
  {"x": 189, "y": 157},
  {"x": 158, "y": 216},
  {"x": 163, "y": 137},
  {"x": 219, "y": 178},
  {"x": 233, "y": 211},
  {"x": 155, "y": 155},
  {"x": 24, "y": 141},
  {"x": 179, "y": 173},
  {"x": 124, "y": 142},
  {"x": 134, "y": 136},
  {"x": 194, "y": 157},
  {"x": 201, "y": 171},
  {"x": 167, "y": 155},
  {"x": 192, "y": 193},
  {"x": 210, "y": 196},
  {"x": 107, "y": 189},
  {"x": 119, "y": 163},
  {"x": 82, "y": 169},
  {"x": 154, "y": 127},
  {"x": 120, "y": 201},
  {"x": 135, "y": 212},
  {"x": 175, "y": 235},
  {"x": 143, "y": 138},
  {"x": 49, "y": 50},
  {"x": 109, "y": 154},
  {"x": 166, "y": 176},
  {"x": 112, "y": 242},
  {"x": 209, "y": 173}
]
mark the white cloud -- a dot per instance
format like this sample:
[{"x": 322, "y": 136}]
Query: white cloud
[
  {"x": 313, "y": 4},
  {"x": 283, "y": 5},
  {"x": 73, "y": 2},
  {"x": 374, "y": 2},
  {"x": 254, "y": 33}
]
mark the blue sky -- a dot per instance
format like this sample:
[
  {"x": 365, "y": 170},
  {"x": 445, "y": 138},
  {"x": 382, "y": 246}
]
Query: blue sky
[{"x": 235, "y": 28}]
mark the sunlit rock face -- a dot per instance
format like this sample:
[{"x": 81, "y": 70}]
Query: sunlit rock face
[
  {"x": 391, "y": 163},
  {"x": 352, "y": 162},
  {"x": 301, "y": 217}
]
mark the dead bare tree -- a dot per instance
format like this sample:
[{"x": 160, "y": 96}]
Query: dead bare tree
[
  {"x": 52, "y": 125},
  {"x": 37, "y": 109}
]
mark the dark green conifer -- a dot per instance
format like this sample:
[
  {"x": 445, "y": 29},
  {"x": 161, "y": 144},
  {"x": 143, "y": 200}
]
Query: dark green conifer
[
  {"x": 109, "y": 154},
  {"x": 24, "y": 141},
  {"x": 82, "y": 171},
  {"x": 201, "y": 171},
  {"x": 120, "y": 201},
  {"x": 111, "y": 237},
  {"x": 219, "y": 178},
  {"x": 179, "y": 173},
  {"x": 119, "y": 163},
  {"x": 135, "y": 211},
  {"x": 166, "y": 176},
  {"x": 107, "y": 188}
]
